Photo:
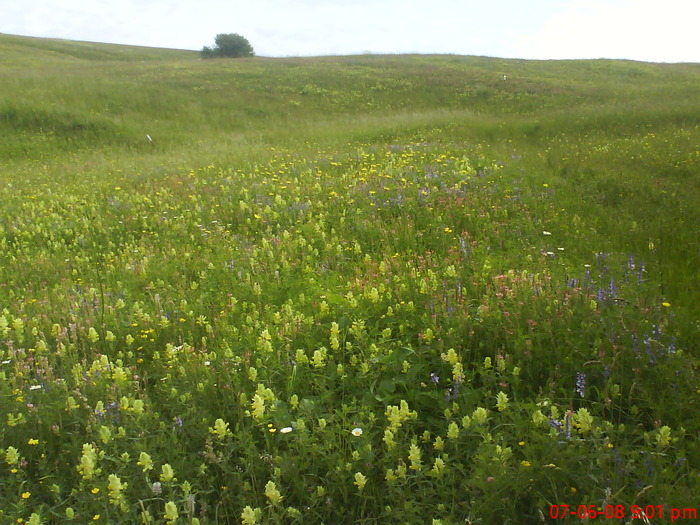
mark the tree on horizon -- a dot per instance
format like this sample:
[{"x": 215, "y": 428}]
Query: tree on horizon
[{"x": 231, "y": 45}]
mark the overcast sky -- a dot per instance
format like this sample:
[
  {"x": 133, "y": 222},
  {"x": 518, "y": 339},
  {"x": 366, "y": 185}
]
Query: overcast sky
[{"x": 647, "y": 30}]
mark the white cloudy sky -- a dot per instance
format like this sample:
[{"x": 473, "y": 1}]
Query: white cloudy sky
[{"x": 648, "y": 30}]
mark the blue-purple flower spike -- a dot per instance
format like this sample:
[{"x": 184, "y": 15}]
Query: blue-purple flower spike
[{"x": 581, "y": 384}]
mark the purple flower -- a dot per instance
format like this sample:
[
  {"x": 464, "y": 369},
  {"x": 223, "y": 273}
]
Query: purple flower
[
  {"x": 453, "y": 392},
  {"x": 640, "y": 273},
  {"x": 434, "y": 377},
  {"x": 672, "y": 346},
  {"x": 679, "y": 462},
  {"x": 556, "y": 425},
  {"x": 581, "y": 384},
  {"x": 649, "y": 349},
  {"x": 635, "y": 345}
]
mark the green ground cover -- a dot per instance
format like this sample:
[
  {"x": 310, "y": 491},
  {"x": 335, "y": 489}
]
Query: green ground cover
[{"x": 369, "y": 289}]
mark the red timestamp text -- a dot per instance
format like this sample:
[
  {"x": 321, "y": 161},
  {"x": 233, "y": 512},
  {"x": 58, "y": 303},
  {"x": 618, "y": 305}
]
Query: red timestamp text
[{"x": 610, "y": 512}]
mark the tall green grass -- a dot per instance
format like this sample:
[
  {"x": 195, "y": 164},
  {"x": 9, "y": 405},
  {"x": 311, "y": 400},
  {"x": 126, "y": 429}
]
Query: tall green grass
[{"x": 346, "y": 289}]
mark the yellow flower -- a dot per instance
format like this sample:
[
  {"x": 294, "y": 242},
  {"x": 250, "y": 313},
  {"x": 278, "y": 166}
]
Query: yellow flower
[
  {"x": 33, "y": 442},
  {"x": 360, "y": 480},
  {"x": 452, "y": 431},
  {"x": 87, "y": 461},
  {"x": 272, "y": 493},
  {"x": 171, "y": 513},
  {"x": 25, "y": 495},
  {"x": 480, "y": 415},
  {"x": 258, "y": 406},
  {"x": 167, "y": 473},
  {"x": 415, "y": 457},
  {"x": 667, "y": 305},
  {"x": 93, "y": 336},
  {"x": 525, "y": 463},
  {"x": 115, "y": 489},
  {"x": 664, "y": 436},
  {"x": 438, "y": 467},
  {"x": 584, "y": 419},
  {"x": 502, "y": 401},
  {"x": 95, "y": 490},
  {"x": 249, "y": 516},
  {"x": 12, "y": 455},
  {"x": 220, "y": 428}
]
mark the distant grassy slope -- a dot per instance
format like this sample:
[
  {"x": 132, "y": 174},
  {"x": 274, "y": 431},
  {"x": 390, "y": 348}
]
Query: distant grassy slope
[
  {"x": 617, "y": 139},
  {"x": 97, "y": 95},
  {"x": 27, "y": 52}
]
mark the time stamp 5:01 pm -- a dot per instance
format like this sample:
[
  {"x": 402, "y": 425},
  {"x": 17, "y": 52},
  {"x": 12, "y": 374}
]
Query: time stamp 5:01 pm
[{"x": 611, "y": 512}]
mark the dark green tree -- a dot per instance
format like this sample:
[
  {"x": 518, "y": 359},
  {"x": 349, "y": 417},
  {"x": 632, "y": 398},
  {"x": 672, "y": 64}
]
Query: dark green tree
[{"x": 230, "y": 45}]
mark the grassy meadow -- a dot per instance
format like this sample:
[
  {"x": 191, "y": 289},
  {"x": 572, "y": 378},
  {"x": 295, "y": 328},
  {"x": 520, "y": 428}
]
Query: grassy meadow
[{"x": 362, "y": 289}]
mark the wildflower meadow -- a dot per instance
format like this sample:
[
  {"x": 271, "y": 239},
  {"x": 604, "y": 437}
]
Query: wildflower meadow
[{"x": 356, "y": 290}]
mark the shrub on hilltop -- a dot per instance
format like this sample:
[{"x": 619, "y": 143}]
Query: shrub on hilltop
[{"x": 229, "y": 46}]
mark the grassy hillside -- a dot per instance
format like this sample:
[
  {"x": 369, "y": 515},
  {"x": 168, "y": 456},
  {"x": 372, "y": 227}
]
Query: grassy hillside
[
  {"x": 626, "y": 130},
  {"x": 366, "y": 288}
]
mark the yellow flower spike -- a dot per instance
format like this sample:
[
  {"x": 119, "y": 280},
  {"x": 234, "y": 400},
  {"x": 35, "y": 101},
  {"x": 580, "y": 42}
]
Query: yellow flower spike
[
  {"x": 249, "y": 516},
  {"x": 502, "y": 401},
  {"x": 415, "y": 457},
  {"x": 145, "y": 461},
  {"x": 12, "y": 455},
  {"x": 360, "y": 481},
  {"x": 171, "y": 513},
  {"x": 220, "y": 429},
  {"x": 167, "y": 473},
  {"x": 272, "y": 493}
]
